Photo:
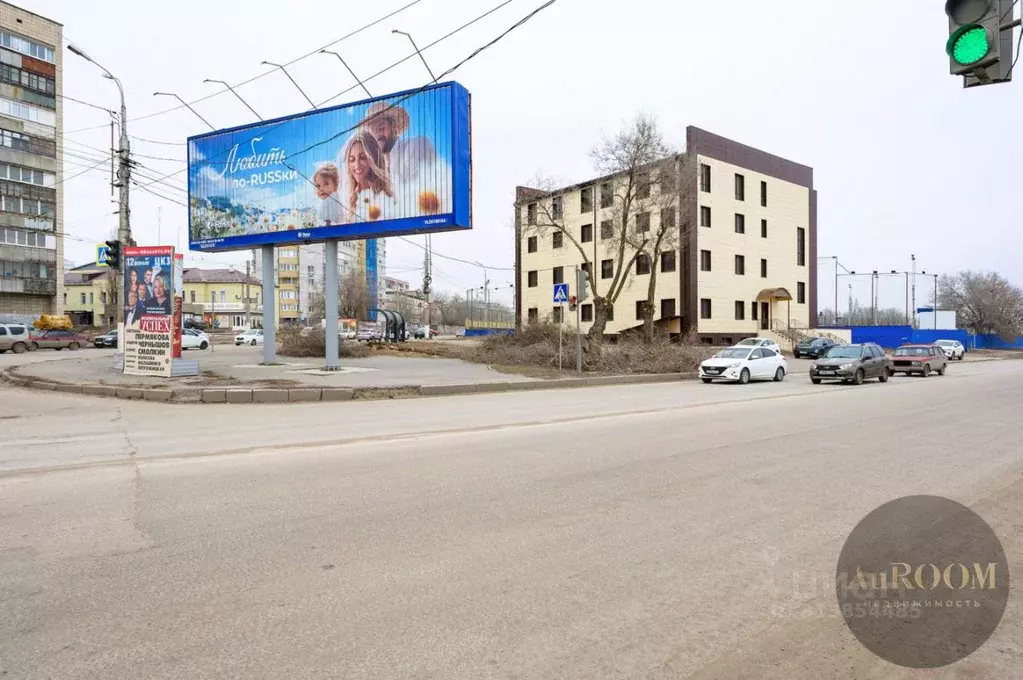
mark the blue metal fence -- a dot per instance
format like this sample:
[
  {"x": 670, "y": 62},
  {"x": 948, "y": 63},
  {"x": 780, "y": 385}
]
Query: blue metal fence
[{"x": 893, "y": 336}]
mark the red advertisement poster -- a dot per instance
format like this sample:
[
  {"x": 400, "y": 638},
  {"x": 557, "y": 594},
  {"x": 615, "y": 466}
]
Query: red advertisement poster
[
  {"x": 149, "y": 310},
  {"x": 178, "y": 292}
]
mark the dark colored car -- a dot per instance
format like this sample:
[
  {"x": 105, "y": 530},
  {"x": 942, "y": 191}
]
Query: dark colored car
[
  {"x": 106, "y": 340},
  {"x": 920, "y": 359},
  {"x": 197, "y": 324},
  {"x": 58, "y": 340},
  {"x": 853, "y": 364},
  {"x": 814, "y": 348}
]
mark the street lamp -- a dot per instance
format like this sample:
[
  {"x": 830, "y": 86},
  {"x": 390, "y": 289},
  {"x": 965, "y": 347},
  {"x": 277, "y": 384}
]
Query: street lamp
[
  {"x": 281, "y": 67},
  {"x": 416, "y": 47},
  {"x": 364, "y": 89},
  {"x": 186, "y": 105}
]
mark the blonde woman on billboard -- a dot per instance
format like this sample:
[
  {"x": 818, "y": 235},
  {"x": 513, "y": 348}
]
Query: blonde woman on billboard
[{"x": 369, "y": 192}]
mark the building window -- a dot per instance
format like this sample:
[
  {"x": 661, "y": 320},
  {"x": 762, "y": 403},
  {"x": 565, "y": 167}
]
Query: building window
[
  {"x": 103, "y": 297},
  {"x": 705, "y": 309},
  {"x": 557, "y": 207},
  {"x": 740, "y": 223},
  {"x": 763, "y": 228},
  {"x": 26, "y": 46},
  {"x": 763, "y": 194},
  {"x": 763, "y": 269},
  {"x": 533, "y": 315},
  {"x": 557, "y": 315},
  {"x": 587, "y": 312},
  {"x": 92, "y": 299},
  {"x": 704, "y": 260},
  {"x": 704, "y": 177},
  {"x": 740, "y": 265},
  {"x": 531, "y": 279},
  {"x": 740, "y": 310},
  {"x": 667, "y": 219},
  {"x": 23, "y": 142},
  {"x": 642, "y": 222},
  {"x": 607, "y": 229},
  {"x": 531, "y": 213},
  {"x": 642, "y": 264},
  {"x": 531, "y": 244},
  {"x": 740, "y": 187},
  {"x": 753, "y": 310},
  {"x": 557, "y": 239},
  {"x": 800, "y": 293},
  {"x": 192, "y": 297},
  {"x": 586, "y": 233},
  {"x": 801, "y": 246},
  {"x": 82, "y": 298},
  {"x": 223, "y": 296},
  {"x": 667, "y": 308},
  {"x": 640, "y": 306},
  {"x": 642, "y": 185},
  {"x": 668, "y": 261},
  {"x": 17, "y": 109},
  {"x": 704, "y": 216},
  {"x": 559, "y": 275},
  {"x": 607, "y": 269},
  {"x": 586, "y": 199},
  {"x": 585, "y": 266},
  {"x": 607, "y": 196}
]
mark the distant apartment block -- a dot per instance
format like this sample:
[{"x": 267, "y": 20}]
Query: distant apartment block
[
  {"x": 31, "y": 171},
  {"x": 745, "y": 262}
]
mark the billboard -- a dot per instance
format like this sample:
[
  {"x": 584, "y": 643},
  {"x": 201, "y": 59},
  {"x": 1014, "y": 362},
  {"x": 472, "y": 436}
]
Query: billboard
[
  {"x": 148, "y": 313},
  {"x": 388, "y": 166}
]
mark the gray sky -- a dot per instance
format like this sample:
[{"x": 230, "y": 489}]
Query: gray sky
[{"x": 859, "y": 91}]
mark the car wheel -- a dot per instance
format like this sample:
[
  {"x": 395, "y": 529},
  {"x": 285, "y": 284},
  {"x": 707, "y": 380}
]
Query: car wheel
[
  {"x": 744, "y": 376},
  {"x": 253, "y": 343},
  {"x": 33, "y": 347},
  {"x": 779, "y": 375},
  {"x": 815, "y": 381},
  {"x": 884, "y": 376},
  {"x": 2, "y": 351},
  {"x": 19, "y": 348},
  {"x": 927, "y": 370},
  {"x": 795, "y": 354},
  {"x": 858, "y": 378},
  {"x": 707, "y": 381},
  {"x": 941, "y": 371},
  {"x": 74, "y": 345},
  {"x": 203, "y": 344}
]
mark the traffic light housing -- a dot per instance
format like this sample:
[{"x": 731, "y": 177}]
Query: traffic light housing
[
  {"x": 112, "y": 257},
  {"x": 572, "y": 302},
  {"x": 975, "y": 43},
  {"x": 582, "y": 285}
]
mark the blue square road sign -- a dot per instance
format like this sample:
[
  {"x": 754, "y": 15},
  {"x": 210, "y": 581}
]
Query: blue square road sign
[{"x": 561, "y": 292}]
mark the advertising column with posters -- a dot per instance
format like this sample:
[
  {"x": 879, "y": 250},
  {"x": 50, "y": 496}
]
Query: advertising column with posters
[
  {"x": 179, "y": 299},
  {"x": 149, "y": 310}
]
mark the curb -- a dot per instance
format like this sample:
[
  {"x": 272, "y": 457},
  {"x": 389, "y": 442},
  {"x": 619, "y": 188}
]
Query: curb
[{"x": 261, "y": 395}]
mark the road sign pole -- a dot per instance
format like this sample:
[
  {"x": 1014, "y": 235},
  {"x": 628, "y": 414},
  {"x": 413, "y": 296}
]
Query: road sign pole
[
  {"x": 561, "y": 333},
  {"x": 578, "y": 325}
]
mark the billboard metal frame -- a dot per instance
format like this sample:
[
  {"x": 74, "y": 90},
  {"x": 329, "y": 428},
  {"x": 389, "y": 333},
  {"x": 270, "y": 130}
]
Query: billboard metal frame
[{"x": 459, "y": 219}]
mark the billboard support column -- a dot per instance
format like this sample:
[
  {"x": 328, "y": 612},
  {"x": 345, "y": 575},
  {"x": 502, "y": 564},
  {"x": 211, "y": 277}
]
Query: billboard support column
[
  {"x": 330, "y": 303},
  {"x": 269, "y": 307}
]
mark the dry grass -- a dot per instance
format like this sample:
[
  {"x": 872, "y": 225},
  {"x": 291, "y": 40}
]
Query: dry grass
[{"x": 299, "y": 342}]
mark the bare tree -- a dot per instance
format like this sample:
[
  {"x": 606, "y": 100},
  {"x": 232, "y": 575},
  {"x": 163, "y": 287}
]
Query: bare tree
[
  {"x": 627, "y": 161},
  {"x": 984, "y": 303},
  {"x": 353, "y": 299}
]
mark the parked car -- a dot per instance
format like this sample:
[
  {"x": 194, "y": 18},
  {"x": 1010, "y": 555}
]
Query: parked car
[
  {"x": 368, "y": 335},
  {"x": 813, "y": 348},
  {"x": 953, "y": 349},
  {"x": 742, "y": 364},
  {"x": 852, "y": 363},
  {"x": 421, "y": 332},
  {"x": 58, "y": 340},
  {"x": 347, "y": 334},
  {"x": 106, "y": 340},
  {"x": 15, "y": 337},
  {"x": 197, "y": 324},
  {"x": 253, "y": 336},
  {"x": 920, "y": 359},
  {"x": 759, "y": 342},
  {"x": 193, "y": 339}
]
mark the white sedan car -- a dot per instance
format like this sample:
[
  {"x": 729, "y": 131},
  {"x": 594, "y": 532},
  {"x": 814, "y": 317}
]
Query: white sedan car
[
  {"x": 742, "y": 364},
  {"x": 953, "y": 349},
  {"x": 193, "y": 339},
  {"x": 253, "y": 336},
  {"x": 759, "y": 342}
]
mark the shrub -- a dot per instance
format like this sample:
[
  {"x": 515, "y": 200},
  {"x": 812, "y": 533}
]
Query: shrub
[{"x": 312, "y": 342}]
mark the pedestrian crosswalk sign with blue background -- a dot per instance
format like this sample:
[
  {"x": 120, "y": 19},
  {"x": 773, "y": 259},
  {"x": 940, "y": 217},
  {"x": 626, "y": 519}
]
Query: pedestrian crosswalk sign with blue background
[{"x": 561, "y": 292}]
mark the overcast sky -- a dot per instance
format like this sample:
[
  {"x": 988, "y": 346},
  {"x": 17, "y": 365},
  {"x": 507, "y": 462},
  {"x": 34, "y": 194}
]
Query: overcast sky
[{"x": 904, "y": 159}]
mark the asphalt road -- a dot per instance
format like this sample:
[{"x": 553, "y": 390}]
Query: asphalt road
[{"x": 623, "y": 532}]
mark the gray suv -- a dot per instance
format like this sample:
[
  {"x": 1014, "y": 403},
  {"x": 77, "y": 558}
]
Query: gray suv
[
  {"x": 852, "y": 363},
  {"x": 14, "y": 337}
]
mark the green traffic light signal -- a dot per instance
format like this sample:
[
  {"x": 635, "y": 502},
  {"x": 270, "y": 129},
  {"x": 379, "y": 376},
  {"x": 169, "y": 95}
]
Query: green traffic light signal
[{"x": 969, "y": 45}]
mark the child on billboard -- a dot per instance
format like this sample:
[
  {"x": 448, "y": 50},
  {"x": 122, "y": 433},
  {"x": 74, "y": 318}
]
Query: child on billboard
[{"x": 327, "y": 180}]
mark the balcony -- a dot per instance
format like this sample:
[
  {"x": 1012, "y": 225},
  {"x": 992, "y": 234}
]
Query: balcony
[{"x": 29, "y": 286}]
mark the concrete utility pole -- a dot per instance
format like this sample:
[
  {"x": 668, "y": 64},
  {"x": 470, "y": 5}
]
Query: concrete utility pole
[
  {"x": 248, "y": 315},
  {"x": 123, "y": 177},
  {"x": 913, "y": 323}
]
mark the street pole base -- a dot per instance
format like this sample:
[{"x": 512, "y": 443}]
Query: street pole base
[{"x": 331, "y": 368}]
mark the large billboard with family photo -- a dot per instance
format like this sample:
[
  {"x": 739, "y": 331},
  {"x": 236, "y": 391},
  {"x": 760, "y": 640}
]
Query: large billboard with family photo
[{"x": 389, "y": 166}]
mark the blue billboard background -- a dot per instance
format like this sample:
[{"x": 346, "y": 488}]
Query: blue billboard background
[{"x": 393, "y": 165}]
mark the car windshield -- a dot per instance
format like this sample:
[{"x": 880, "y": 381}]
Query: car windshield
[
  {"x": 911, "y": 352},
  {"x": 945, "y": 343},
  {"x": 847, "y": 352},
  {"x": 733, "y": 353},
  {"x": 749, "y": 342}
]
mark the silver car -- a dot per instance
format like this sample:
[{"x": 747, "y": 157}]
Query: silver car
[{"x": 15, "y": 337}]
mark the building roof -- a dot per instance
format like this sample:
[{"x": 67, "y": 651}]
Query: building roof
[
  {"x": 196, "y": 275},
  {"x": 78, "y": 277}
]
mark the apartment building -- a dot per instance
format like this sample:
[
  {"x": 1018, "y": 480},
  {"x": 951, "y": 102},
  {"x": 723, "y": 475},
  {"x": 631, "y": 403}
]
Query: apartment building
[
  {"x": 744, "y": 261},
  {"x": 223, "y": 298},
  {"x": 89, "y": 295},
  {"x": 31, "y": 125}
]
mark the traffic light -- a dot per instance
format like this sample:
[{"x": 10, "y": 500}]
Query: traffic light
[
  {"x": 112, "y": 258},
  {"x": 572, "y": 302},
  {"x": 582, "y": 284},
  {"x": 975, "y": 45}
]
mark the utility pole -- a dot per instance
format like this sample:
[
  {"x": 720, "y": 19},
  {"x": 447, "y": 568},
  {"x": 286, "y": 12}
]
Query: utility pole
[
  {"x": 248, "y": 316},
  {"x": 913, "y": 307},
  {"x": 427, "y": 280}
]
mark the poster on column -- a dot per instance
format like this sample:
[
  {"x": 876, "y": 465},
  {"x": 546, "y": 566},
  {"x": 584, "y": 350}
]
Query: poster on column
[
  {"x": 149, "y": 310},
  {"x": 179, "y": 299}
]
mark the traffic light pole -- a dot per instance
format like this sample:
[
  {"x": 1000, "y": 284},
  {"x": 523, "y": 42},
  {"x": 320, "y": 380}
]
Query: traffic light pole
[{"x": 578, "y": 321}]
